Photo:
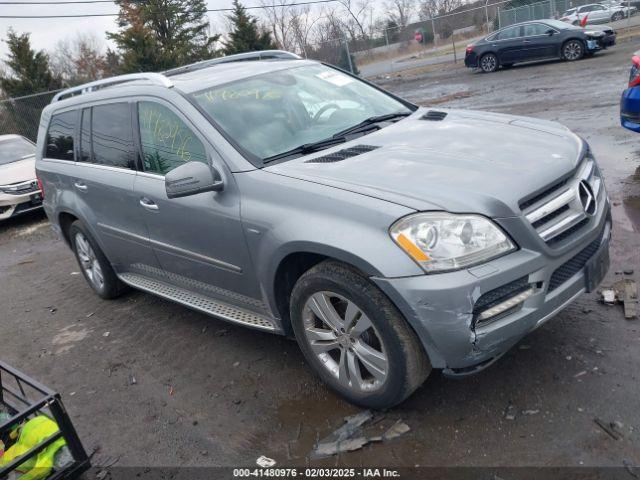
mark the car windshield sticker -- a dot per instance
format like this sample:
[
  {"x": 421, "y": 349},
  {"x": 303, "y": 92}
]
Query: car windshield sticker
[{"x": 336, "y": 78}]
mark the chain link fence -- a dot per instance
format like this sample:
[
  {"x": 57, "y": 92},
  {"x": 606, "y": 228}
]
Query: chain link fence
[
  {"x": 437, "y": 40},
  {"x": 21, "y": 115}
]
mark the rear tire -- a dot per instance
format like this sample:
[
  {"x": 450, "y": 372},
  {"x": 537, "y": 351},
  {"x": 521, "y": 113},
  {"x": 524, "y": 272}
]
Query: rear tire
[
  {"x": 354, "y": 338},
  {"x": 95, "y": 267},
  {"x": 489, "y": 63},
  {"x": 573, "y": 50},
  {"x": 617, "y": 16}
]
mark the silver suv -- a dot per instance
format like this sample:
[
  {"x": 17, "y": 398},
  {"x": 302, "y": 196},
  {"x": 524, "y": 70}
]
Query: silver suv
[{"x": 291, "y": 197}]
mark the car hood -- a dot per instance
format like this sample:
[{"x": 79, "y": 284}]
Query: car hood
[
  {"x": 467, "y": 162},
  {"x": 19, "y": 171}
]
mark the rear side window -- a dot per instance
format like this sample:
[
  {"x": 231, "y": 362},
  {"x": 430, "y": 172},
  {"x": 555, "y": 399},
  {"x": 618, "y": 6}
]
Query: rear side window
[
  {"x": 60, "y": 136},
  {"x": 167, "y": 142},
  {"x": 111, "y": 135}
]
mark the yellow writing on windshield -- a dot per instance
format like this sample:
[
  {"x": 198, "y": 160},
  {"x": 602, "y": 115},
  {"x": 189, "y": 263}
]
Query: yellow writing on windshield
[{"x": 226, "y": 95}]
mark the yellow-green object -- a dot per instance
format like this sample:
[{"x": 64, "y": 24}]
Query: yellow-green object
[{"x": 33, "y": 433}]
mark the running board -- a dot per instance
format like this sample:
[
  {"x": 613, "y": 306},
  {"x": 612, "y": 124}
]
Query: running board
[{"x": 198, "y": 302}]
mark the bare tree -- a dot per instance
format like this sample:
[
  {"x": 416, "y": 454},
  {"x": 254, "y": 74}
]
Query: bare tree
[
  {"x": 400, "y": 11},
  {"x": 357, "y": 12},
  {"x": 433, "y": 8},
  {"x": 278, "y": 15},
  {"x": 79, "y": 59}
]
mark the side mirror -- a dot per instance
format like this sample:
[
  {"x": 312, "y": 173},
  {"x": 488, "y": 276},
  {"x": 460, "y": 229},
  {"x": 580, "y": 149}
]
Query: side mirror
[
  {"x": 192, "y": 178},
  {"x": 550, "y": 32}
]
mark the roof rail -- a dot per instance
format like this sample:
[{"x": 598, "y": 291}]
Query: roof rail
[
  {"x": 239, "y": 57},
  {"x": 155, "y": 78}
]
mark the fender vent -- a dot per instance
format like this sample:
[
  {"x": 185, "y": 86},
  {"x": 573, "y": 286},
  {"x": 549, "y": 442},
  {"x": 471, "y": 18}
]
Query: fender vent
[
  {"x": 434, "y": 115},
  {"x": 343, "y": 154}
]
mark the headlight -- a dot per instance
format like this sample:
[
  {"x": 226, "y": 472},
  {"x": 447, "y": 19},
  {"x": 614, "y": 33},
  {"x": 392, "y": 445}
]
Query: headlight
[{"x": 440, "y": 241}]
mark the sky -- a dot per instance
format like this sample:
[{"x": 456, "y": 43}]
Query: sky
[{"x": 45, "y": 33}]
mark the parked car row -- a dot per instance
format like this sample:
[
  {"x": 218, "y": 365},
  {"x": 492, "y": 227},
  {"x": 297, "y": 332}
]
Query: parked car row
[{"x": 536, "y": 40}]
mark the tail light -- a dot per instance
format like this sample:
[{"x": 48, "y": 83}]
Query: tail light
[
  {"x": 40, "y": 185},
  {"x": 634, "y": 76},
  {"x": 469, "y": 49}
]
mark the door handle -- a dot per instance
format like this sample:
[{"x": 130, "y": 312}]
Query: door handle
[
  {"x": 80, "y": 186},
  {"x": 148, "y": 204},
  {"x": 526, "y": 41}
]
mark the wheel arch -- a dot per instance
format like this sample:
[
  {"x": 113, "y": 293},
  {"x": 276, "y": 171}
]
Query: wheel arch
[
  {"x": 65, "y": 219},
  {"x": 294, "y": 260}
]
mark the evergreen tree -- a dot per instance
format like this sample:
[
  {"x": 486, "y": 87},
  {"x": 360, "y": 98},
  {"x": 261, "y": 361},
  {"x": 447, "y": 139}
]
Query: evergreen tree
[
  {"x": 246, "y": 35},
  {"x": 162, "y": 34},
  {"x": 30, "y": 71}
]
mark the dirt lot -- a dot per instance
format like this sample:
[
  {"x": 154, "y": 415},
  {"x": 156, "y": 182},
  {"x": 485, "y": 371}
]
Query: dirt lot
[{"x": 211, "y": 393}]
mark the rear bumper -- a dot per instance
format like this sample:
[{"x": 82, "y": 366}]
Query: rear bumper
[
  {"x": 441, "y": 307},
  {"x": 471, "y": 60},
  {"x": 630, "y": 109}
]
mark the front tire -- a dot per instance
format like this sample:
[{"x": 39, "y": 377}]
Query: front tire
[
  {"x": 489, "y": 63},
  {"x": 573, "y": 50},
  {"x": 617, "y": 16},
  {"x": 94, "y": 265},
  {"x": 354, "y": 338}
]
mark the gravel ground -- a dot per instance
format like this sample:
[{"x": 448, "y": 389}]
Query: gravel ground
[{"x": 209, "y": 393}]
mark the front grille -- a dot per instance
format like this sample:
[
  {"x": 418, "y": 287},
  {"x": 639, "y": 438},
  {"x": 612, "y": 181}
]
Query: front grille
[
  {"x": 343, "y": 154},
  {"x": 535, "y": 199},
  {"x": 500, "y": 294},
  {"x": 561, "y": 210},
  {"x": 20, "y": 188},
  {"x": 572, "y": 266}
]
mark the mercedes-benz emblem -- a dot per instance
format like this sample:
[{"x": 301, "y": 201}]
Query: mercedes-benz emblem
[{"x": 587, "y": 198}]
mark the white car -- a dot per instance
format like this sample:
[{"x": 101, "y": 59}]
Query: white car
[
  {"x": 19, "y": 188},
  {"x": 596, "y": 13}
]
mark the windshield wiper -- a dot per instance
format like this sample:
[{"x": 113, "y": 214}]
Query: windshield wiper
[
  {"x": 340, "y": 137},
  {"x": 306, "y": 148},
  {"x": 368, "y": 123}
]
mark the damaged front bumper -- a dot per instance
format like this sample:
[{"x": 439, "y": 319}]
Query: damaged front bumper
[
  {"x": 12, "y": 205},
  {"x": 517, "y": 293}
]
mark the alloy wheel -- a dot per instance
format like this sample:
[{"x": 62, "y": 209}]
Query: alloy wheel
[
  {"x": 572, "y": 51},
  {"x": 488, "y": 63},
  {"x": 89, "y": 262},
  {"x": 345, "y": 341}
]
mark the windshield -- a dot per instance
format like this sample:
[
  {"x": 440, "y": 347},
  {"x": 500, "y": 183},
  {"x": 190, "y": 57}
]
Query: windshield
[
  {"x": 276, "y": 112},
  {"x": 15, "y": 149}
]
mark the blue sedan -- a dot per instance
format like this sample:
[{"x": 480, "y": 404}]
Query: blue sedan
[{"x": 630, "y": 101}]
